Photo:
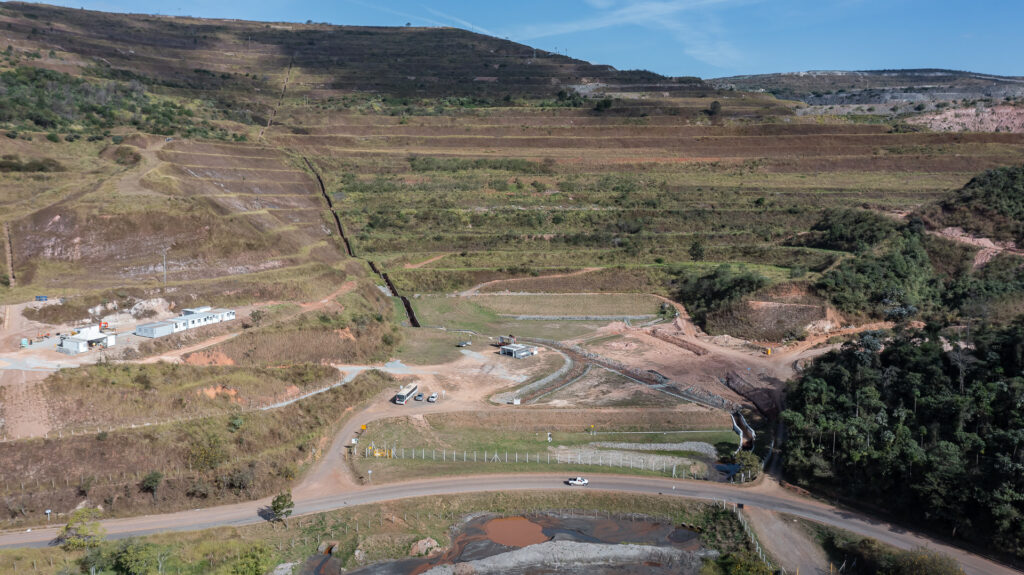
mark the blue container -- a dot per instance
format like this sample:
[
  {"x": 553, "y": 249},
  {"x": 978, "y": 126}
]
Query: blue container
[{"x": 40, "y": 298}]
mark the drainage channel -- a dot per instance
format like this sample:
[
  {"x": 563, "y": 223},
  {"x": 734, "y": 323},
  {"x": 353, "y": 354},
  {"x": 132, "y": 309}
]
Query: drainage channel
[{"x": 413, "y": 321}]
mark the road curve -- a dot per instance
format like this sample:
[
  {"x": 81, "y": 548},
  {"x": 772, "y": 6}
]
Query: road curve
[{"x": 248, "y": 512}]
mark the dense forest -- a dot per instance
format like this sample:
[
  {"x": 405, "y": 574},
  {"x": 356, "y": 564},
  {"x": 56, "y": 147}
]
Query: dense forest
[{"x": 927, "y": 424}]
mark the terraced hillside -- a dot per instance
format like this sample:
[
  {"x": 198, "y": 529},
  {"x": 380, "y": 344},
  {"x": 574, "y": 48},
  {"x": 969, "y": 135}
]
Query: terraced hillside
[
  {"x": 214, "y": 207},
  {"x": 476, "y": 194},
  {"x": 451, "y": 159}
]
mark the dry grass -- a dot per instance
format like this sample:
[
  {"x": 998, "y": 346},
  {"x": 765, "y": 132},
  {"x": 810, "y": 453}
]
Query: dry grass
[
  {"x": 206, "y": 462},
  {"x": 362, "y": 331},
  {"x": 115, "y": 395}
]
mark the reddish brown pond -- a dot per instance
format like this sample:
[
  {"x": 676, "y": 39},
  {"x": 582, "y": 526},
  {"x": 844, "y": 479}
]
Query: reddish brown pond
[
  {"x": 487, "y": 536},
  {"x": 514, "y": 531}
]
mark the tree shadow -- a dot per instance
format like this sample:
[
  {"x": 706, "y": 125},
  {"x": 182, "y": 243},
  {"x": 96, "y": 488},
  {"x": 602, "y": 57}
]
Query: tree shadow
[{"x": 266, "y": 513}]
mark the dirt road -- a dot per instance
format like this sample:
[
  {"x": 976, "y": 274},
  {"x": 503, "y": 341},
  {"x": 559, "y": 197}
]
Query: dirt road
[
  {"x": 512, "y": 281},
  {"x": 787, "y": 541},
  {"x": 417, "y": 266}
]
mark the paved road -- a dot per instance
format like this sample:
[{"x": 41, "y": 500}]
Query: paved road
[{"x": 247, "y": 513}]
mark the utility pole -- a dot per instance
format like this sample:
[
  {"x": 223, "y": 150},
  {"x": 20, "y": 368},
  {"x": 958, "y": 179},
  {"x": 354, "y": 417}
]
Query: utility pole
[{"x": 165, "y": 266}]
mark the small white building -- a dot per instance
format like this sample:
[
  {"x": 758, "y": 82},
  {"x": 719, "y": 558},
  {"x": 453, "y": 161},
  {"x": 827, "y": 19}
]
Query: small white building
[
  {"x": 190, "y": 318},
  {"x": 155, "y": 329},
  {"x": 518, "y": 350},
  {"x": 84, "y": 339}
]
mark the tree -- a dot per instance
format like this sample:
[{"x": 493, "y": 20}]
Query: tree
[
  {"x": 697, "y": 251},
  {"x": 256, "y": 317},
  {"x": 83, "y": 530},
  {"x": 715, "y": 108},
  {"x": 603, "y": 104},
  {"x": 151, "y": 482},
  {"x": 134, "y": 557},
  {"x": 282, "y": 507},
  {"x": 750, "y": 464}
]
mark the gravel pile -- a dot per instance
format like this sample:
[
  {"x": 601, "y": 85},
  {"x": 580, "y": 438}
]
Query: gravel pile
[
  {"x": 572, "y": 557},
  {"x": 695, "y": 446}
]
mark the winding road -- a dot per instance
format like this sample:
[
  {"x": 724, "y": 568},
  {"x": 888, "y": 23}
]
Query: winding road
[
  {"x": 330, "y": 485},
  {"x": 248, "y": 513}
]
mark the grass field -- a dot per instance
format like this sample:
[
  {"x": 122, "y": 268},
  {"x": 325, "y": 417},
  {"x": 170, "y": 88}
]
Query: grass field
[
  {"x": 431, "y": 346},
  {"x": 522, "y": 439},
  {"x": 572, "y": 305},
  {"x": 466, "y": 313}
]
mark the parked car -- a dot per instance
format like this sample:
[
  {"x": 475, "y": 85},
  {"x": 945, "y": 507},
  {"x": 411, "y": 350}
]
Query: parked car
[
  {"x": 578, "y": 482},
  {"x": 432, "y": 398},
  {"x": 419, "y": 397}
]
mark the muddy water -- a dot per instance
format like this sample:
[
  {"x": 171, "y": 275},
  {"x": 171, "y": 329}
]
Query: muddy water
[
  {"x": 514, "y": 532},
  {"x": 488, "y": 536}
]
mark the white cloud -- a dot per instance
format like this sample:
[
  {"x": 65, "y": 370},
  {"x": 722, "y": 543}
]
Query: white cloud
[
  {"x": 691, "y": 22},
  {"x": 465, "y": 24}
]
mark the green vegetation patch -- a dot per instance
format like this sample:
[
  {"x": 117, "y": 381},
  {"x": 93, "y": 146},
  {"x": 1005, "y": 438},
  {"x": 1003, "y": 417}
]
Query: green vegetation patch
[
  {"x": 465, "y": 313},
  {"x": 706, "y": 293},
  {"x": 40, "y": 99},
  {"x": 864, "y": 556},
  {"x": 990, "y": 205},
  {"x": 571, "y": 305}
]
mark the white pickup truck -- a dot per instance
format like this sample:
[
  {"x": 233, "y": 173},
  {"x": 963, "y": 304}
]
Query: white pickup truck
[{"x": 578, "y": 482}]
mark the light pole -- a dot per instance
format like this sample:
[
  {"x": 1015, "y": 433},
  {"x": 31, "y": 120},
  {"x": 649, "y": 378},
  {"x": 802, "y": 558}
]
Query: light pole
[{"x": 369, "y": 475}]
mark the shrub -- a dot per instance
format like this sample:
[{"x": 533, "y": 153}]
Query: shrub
[
  {"x": 82, "y": 531},
  {"x": 206, "y": 450},
  {"x": 704, "y": 294},
  {"x": 151, "y": 482}
]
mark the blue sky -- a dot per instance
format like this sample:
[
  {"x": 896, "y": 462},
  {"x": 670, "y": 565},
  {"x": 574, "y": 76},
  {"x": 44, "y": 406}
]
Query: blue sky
[{"x": 704, "y": 38}]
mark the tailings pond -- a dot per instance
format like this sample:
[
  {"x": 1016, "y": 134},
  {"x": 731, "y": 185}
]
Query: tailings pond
[{"x": 489, "y": 536}]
